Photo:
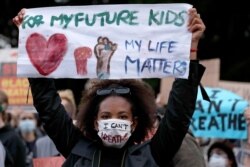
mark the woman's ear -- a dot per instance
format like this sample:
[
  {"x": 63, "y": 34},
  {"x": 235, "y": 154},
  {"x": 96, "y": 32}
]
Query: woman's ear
[
  {"x": 134, "y": 124},
  {"x": 96, "y": 125}
]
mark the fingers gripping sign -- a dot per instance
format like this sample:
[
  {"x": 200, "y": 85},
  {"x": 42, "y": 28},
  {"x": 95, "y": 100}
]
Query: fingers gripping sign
[{"x": 28, "y": 21}]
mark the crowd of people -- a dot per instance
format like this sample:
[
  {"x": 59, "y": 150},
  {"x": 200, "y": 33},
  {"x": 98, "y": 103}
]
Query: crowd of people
[
  {"x": 117, "y": 123},
  {"x": 23, "y": 139}
]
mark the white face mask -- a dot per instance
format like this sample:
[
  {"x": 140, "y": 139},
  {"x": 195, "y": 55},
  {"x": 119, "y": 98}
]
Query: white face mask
[
  {"x": 27, "y": 125},
  {"x": 114, "y": 132},
  {"x": 217, "y": 161}
]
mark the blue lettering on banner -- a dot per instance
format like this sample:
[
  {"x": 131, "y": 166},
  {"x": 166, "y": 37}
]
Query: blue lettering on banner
[{"x": 157, "y": 65}]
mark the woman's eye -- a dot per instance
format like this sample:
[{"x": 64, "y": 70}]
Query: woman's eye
[
  {"x": 105, "y": 117},
  {"x": 123, "y": 117}
]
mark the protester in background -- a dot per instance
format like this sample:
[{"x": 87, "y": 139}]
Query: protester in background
[
  {"x": 15, "y": 114},
  {"x": 27, "y": 127},
  {"x": 247, "y": 116},
  {"x": 243, "y": 155},
  {"x": 68, "y": 102},
  {"x": 15, "y": 149},
  {"x": 129, "y": 104},
  {"x": 221, "y": 155},
  {"x": 2, "y": 155},
  {"x": 44, "y": 145}
]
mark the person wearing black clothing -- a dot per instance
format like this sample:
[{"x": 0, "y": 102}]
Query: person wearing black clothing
[
  {"x": 115, "y": 115},
  {"x": 14, "y": 147}
]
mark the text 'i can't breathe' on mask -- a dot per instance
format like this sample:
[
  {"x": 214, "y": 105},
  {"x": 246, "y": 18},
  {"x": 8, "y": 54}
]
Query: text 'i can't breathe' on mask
[{"x": 114, "y": 132}]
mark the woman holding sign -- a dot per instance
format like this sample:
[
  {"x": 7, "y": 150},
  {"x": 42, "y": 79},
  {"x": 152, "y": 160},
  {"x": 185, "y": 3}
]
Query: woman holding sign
[{"x": 115, "y": 116}]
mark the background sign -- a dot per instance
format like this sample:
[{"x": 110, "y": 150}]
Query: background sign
[
  {"x": 221, "y": 118},
  {"x": 16, "y": 88}
]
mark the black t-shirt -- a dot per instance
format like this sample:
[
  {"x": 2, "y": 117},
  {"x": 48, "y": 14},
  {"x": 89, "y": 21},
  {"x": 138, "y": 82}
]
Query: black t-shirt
[{"x": 111, "y": 157}]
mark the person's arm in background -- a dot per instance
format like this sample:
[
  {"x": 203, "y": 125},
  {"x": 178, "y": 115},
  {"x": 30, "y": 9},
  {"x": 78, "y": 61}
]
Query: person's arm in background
[
  {"x": 181, "y": 104},
  {"x": 247, "y": 116}
]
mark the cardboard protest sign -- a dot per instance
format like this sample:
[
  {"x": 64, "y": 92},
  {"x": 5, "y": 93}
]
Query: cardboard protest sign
[
  {"x": 223, "y": 117},
  {"x": 16, "y": 88},
  {"x": 240, "y": 88},
  {"x": 210, "y": 78},
  {"x": 105, "y": 41}
]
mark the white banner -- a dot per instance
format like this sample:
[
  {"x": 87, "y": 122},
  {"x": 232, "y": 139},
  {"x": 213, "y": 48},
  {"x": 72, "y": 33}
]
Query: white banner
[{"x": 105, "y": 41}]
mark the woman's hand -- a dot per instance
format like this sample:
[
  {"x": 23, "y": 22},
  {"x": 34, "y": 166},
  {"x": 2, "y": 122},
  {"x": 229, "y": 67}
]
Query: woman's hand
[
  {"x": 197, "y": 27},
  {"x": 19, "y": 18}
]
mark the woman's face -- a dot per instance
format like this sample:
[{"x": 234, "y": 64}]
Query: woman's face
[
  {"x": 220, "y": 156},
  {"x": 115, "y": 107}
]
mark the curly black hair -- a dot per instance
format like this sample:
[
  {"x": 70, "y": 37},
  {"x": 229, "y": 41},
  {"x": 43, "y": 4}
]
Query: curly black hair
[{"x": 141, "y": 97}]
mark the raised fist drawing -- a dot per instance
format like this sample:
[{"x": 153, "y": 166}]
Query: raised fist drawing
[{"x": 104, "y": 50}]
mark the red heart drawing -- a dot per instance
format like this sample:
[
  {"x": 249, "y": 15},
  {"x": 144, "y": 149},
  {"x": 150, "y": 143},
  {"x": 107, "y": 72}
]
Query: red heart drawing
[{"x": 46, "y": 55}]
